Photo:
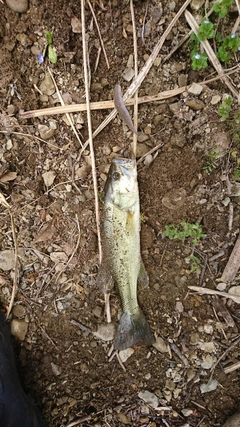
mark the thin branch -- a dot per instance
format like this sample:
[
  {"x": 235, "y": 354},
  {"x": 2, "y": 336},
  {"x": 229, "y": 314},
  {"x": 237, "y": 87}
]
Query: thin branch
[
  {"x": 206, "y": 291},
  {"x": 104, "y": 105},
  {"x": 98, "y": 30},
  {"x": 62, "y": 103},
  {"x": 90, "y": 129},
  {"x": 135, "y": 116}
]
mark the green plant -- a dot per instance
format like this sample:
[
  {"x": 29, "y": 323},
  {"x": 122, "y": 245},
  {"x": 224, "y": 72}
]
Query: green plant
[
  {"x": 195, "y": 263},
  {"x": 221, "y": 8},
  {"x": 207, "y": 30},
  {"x": 211, "y": 164},
  {"x": 184, "y": 230},
  {"x": 225, "y": 108},
  {"x": 49, "y": 50},
  {"x": 236, "y": 171}
]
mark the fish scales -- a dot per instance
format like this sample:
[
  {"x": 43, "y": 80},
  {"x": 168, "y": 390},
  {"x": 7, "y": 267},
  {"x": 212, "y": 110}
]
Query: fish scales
[{"x": 121, "y": 250}]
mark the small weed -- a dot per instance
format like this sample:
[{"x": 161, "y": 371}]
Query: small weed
[
  {"x": 49, "y": 50},
  {"x": 226, "y": 47},
  {"x": 236, "y": 171},
  {"x": 195, "y": 263},
  {"x": 225, "y": 109},
  {"x": 211, "y": 164},
  {"x": 184, "y": 230}
]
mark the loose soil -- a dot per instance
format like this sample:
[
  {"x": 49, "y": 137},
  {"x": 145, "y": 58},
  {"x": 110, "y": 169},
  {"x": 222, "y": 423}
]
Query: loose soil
[{"x": 62, "y": 364}]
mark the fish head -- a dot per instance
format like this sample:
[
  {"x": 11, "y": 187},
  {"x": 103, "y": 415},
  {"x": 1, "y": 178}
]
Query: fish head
[{"x": 121, "y": 185}]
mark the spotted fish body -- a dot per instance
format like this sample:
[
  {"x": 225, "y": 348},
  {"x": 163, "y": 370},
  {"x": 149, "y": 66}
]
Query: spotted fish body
[{"x": 121, "y": 250}]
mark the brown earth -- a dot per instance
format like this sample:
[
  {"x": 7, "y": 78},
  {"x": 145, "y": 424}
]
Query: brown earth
[{"x": 63, "y": 365}]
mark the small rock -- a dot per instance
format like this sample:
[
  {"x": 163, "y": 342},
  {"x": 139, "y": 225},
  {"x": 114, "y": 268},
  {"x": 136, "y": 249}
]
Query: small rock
[
  {"x": 194, "y": 338},
  {"x": 11, "y": 109},
  {"x": 221, "y": 286},
  {"x": 160, "y": 345},
  {"x": 125, "y": 354},
  {"x": 156, "y": 14},
  {"x": 47, "y": 86},
  {"x": 209, "y": 347},
  {"x": 149, "y": 398},
  {"x": 123, "y": 418},
  {"x": 233, "y": 421},
  {"x": 19, "y": 329},
  {"x": 19, "y": 6},
  {"x": 128, "y": 74},
  {"x": 215, "y": 99},
  {"x": 210, "y": 386},
  {"x": 18, "y": 311},
  {"x": 7, "y": 260},
  {"x": 97, "y": 311},
  {"x": 195, "y": 89},
  {"x": 196, "y": 4},
  {"x": 182, "y": 80},
  {"x": 175, "y": 198},
  {"x": 175, "y": 107},
  {"x": 48, "y": 178},
  {"x": 24, "y": 39},
  {"x": 195, "y": 104},
  {"x": 187, "y": 412},
  {"x": 207, "y": 361},
  {"x": 56, "y": 369},
  {"x": 45, "y": 132},
  {"x": 105, "y": 332},
  {"x": 172, "y": 6}
]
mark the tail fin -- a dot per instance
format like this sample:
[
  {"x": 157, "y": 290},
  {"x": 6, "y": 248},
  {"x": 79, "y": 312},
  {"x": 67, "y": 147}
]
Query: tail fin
[{"x": 133, "y": 329}]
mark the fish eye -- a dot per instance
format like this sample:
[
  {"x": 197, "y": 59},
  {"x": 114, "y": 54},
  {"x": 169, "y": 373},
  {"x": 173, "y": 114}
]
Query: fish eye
[{"x": 116, "y": 176}]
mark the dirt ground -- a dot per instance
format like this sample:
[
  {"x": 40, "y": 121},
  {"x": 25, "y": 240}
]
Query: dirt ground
[{"x": 49, "y": 187}]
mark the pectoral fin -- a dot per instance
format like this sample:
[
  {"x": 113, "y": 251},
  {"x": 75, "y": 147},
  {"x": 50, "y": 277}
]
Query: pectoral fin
[{"x": 143, "y": 278}]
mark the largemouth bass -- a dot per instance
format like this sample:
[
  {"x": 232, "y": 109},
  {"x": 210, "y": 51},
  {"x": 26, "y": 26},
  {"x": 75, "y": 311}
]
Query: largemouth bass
[{"x": 121, "y": 250}]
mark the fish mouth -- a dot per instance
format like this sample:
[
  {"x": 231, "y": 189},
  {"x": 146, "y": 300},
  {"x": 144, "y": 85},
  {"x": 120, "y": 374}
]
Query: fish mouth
[{"x": 127, "y": 167}]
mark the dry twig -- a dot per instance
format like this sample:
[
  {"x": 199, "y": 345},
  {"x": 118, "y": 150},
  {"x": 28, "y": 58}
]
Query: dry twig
[
  {"x": 90, "y": 129},
  {"x": 98, "y": 30},
  {"x": 62, "y": 103},
  {"x": 16, "y": 275},
  {"x": 104, "y": 105},
  {"x": 135, "y": 117},
  {"x": 206, "y": 291}
]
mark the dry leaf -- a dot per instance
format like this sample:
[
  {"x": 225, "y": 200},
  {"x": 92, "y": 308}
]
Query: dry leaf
[
  {"x": 58, "y": 257},
  {"x": 46, "y": 233},
  {"x": 9, "y": 176}
]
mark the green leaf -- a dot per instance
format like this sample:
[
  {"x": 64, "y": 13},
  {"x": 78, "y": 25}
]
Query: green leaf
[
  {"x": 206, "y": 30},
  {"x": 49, "y": 37},
  {"x": 52, "y": 56}
]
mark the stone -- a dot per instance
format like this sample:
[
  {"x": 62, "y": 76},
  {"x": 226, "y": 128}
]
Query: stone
[
  {"x": 47, "y": 86},
  {"x": 195, "y": 89},
  {"x": 7, "y": 260},
  {"x": 45, "y": 132},
  {"x": 160, "y": 345},
  {"x": 105, "y": 332},
  {"x": 215, "y": 99},
  {"x": 150, "y": 398},
  {"x": 195, "y": 104},
  {"x": 210, "y": 386},
  {"x": 19, "y": 6},
  {"x": 125, "y": 354},
  {"x": 48, "y": 178},
  {"x": 19, "y": 329}
]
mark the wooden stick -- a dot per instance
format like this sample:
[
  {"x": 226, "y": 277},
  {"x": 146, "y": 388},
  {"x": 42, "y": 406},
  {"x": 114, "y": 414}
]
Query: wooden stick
[
  {"x": 99, "y": 33},
  {"x": 135, "y": 118},
  {"x": 206, "y": 291},
  {"x": 104, "y": 105},
  {"x": 90, "y": 129}
]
